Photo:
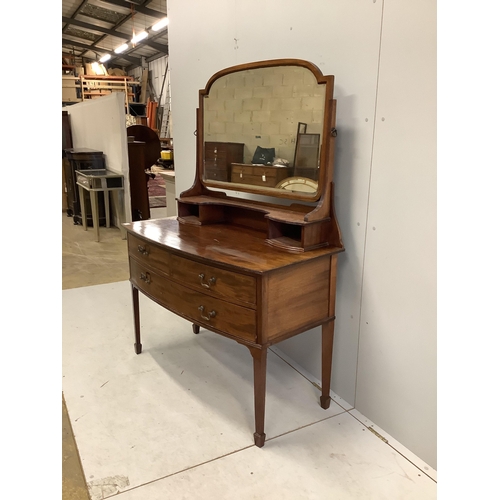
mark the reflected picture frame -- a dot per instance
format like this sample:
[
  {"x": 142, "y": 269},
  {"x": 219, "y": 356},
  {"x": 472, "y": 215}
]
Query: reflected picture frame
[{"x": 301, "y": 129}]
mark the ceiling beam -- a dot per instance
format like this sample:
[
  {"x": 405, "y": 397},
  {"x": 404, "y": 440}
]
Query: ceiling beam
[
  {"x": 157, "y": 46},
  {"x": 75, "y": 13},
  {"x": 137, "y": 8},
  {"x": 91, "y": 48},
  {"x": 100, "y": 29}
]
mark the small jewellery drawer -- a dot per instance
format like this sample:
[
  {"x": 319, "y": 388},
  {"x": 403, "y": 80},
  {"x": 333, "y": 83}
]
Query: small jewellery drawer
[
  {"x": 197, "y": 307},
  {"x": 215, "y": 281},
  {"x": 148, "y": 253}
]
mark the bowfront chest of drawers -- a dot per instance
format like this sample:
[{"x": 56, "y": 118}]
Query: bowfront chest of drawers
[
  {"x": 226, "y": 279},
  {"x": 255, "y": 271}
]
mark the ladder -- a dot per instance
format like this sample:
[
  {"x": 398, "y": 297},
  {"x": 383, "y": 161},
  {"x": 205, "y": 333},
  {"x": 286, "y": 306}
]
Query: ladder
[{"x": 165, "y": 107}]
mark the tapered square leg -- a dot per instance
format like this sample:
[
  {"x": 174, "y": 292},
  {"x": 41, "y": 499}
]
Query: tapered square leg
[
  {"x": 259, "y": 381},
  {"x": 137, "y": 324},
  {"x": 326, "y": 362}
]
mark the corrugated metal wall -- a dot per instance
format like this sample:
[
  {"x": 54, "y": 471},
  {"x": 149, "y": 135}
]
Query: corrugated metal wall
[{"x": 159, "y": 76}]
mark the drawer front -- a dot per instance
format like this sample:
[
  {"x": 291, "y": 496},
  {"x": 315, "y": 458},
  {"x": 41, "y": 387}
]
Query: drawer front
[
  {"x": 214, "y": 281},
  {"x": 254, "y": 180},
  {"x": 215, "y": 174},
  {"x": 218, "y": 155},
  {"x": 81, "y": 179},
  {"x": 197, "y": 307},
  {"x": 149, "y": 254}
]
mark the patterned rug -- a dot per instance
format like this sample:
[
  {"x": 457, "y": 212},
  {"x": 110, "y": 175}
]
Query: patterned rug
[{"x": 156, "y": 192}]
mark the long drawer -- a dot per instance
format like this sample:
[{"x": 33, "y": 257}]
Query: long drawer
[
  {"x": 258, "y": 175},
  {"x": 221, "y": 283},
  {"x": 148, "y": 253},
  {"x": 214, "y": 281},
  {"x": 198, "y": 307}
]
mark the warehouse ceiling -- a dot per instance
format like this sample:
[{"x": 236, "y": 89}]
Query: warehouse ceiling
[{"x": 94, "y": 28}]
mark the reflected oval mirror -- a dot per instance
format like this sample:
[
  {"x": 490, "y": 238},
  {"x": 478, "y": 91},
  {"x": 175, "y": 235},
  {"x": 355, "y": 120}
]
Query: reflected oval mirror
[{"x": 264, "y": 127}]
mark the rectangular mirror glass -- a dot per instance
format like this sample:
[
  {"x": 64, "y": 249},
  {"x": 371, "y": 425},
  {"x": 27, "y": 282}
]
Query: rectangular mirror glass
[{"x": 263, "y": 130}]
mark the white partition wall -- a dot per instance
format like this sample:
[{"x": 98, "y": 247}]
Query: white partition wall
[
  {"x": 382, "y": 53},
  {"x": 396, "y": 384},
  {"x": 100, "y": 124}
]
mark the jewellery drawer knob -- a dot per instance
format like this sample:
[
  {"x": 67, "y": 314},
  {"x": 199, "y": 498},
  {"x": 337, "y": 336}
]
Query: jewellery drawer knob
[
  {"x": 210, "y": 283},
  {"x": 146, "y": 277},
  {"x": 211, "y": 314},
  {"x": 143, "y": 250}
]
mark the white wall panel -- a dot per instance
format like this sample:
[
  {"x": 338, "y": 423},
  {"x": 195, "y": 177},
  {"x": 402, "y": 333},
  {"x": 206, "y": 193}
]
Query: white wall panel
[{"x": 396, "y": 384}]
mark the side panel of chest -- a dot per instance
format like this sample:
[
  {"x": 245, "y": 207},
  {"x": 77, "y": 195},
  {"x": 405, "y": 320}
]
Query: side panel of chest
[{"x": 295, "y": 297}]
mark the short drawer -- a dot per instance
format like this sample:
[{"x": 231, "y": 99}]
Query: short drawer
[
  {"x": 216, "y": 174},
  {"x": 148, "y": 253},
  {"x": 198, "y": 307},
  {"x": 214, "y": 281},
  {"x": 218, "y": 155},
  {"x": 81, "y": 179}
]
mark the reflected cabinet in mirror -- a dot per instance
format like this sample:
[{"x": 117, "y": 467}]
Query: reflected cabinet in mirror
[
  {"x": 263, "y": 129},
  {"x": 267, "y": 128}
]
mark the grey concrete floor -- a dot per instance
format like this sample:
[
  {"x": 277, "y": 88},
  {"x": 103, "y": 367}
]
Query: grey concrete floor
[{"x": 86, "y": 262}]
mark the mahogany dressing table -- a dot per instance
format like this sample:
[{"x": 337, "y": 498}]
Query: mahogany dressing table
[{"x": 236, "y": 266}]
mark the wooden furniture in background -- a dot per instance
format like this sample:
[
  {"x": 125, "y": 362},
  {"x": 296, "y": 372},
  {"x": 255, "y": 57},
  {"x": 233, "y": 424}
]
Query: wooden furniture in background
[
  {"x": 259, "y": 175},
  {"x": 82, "y": 159},
  {"x": 85, "y": 87},
  {"x": 67, "y": 143},
  {"x": 218, "y": 159},
  {"x": 254, "y": 272},
  {"x": 151, "y": 112},
  {"x": 143, "y": 151}
]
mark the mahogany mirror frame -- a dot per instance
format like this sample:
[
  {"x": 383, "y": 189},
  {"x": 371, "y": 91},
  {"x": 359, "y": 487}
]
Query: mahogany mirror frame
[{"x": 326, "y": 161}]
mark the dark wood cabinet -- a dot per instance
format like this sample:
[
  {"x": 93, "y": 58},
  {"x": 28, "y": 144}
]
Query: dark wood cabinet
[
  {"x": 139, "y": 199},
  {"x": 82, "y": 159},
  {"x": 67, "y": 143},
  {"x": 218, "y": 159},
  {"x": 67, "y": 138},
  {"x": 144, "y": 150}
]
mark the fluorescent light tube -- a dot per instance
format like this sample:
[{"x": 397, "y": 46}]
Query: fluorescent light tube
[
  {"x": 105, "y": 58},
  {"x": 121, "y": 48},
  {"x": 160, "y": 24},
  {"x": 139, "y": 37}
]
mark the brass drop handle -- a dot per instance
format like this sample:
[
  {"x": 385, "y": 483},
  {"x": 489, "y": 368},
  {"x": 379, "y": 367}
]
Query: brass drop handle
[
  {"x": 143, "y": 250},
  {"x": 210, "y": 283},
  {"x": 146, "y": 277},
  {"x": 211, "y": 314}
]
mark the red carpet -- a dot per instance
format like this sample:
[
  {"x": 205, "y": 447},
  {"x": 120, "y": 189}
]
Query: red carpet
[{"x": 156, "y": 192}]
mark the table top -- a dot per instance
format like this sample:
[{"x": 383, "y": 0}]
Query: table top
[
  {"x": 167, "y": 173},
  {"x": 236, "y": 247},
  {"x": 100, "y": 172}
]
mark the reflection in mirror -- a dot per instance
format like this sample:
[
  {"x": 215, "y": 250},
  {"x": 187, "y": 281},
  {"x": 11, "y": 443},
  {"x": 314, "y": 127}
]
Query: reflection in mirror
[{"x": 263, "y": 128}]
